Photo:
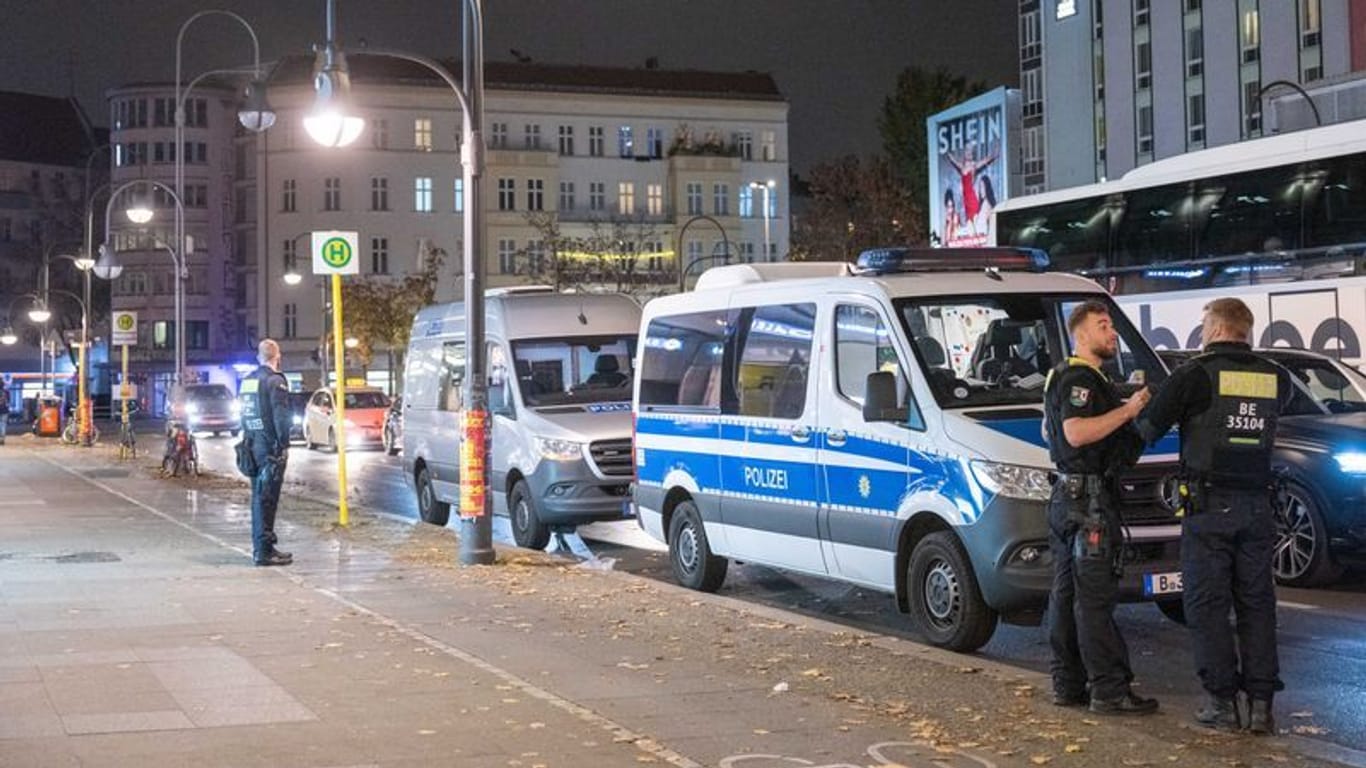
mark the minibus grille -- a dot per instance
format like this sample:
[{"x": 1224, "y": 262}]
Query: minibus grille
[
  {"x": 612, "y": 457},
  {"x": 1144, "y": 495}
]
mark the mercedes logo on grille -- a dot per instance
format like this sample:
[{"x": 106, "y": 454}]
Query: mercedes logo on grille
[{"x": 1169, "y": 493}]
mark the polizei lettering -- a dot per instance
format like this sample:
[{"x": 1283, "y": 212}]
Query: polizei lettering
[{"x": 766, "y": 478}]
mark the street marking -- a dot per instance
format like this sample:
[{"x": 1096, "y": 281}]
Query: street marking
[
  {"x": 23, "y": 503},
  {"x": 914, "y": 753},
  {"x": 620, "y": 733},
  {"x": 1296, "y": 606}
]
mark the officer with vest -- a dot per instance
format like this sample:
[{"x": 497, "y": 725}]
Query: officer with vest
[
  {"x": 1227, "y": 402},
  {"x": 266, "y": 419},
  {"x": 1091, "y": 437}
]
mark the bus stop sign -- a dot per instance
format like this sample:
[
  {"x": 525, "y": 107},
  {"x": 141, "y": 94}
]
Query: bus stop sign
[{"x": 334, "y": 253}]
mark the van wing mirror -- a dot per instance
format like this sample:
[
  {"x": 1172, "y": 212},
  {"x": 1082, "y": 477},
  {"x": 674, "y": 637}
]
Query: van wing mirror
[{"x": 879, "y": 402}]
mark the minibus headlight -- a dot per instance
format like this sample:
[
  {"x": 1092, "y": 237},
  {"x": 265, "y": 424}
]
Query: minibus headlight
[
  {"x": 1012, "y": 480},
  {"x": 559, "y": 450}
]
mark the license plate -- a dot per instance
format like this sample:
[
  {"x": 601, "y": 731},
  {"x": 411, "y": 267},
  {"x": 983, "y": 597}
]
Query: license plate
[
  {"x": 1161, "y": 583},
  {"x": 627, "y": 509}
]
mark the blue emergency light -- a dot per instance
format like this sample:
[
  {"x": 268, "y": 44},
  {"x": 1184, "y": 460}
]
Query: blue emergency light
[{"x": 892, "y": 261}]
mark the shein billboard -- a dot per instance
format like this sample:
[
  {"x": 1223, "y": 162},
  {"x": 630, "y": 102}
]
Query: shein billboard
[{"x": 973, "y": 166}]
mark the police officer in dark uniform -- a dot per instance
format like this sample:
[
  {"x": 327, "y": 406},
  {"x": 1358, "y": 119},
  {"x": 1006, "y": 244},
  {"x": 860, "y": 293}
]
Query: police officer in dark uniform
[
  {"x": 1227, "y": 402},
  {"x": 266, "y": 419},
  {"x": 1090, "y": 436}
]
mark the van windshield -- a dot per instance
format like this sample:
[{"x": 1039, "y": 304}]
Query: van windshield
[
  {"x": 983, "y": 351},
  {"x": 574, "y": 370}
]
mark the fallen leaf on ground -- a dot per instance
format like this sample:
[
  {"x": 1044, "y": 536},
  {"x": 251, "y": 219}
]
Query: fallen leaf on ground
[
  {"x": 1040, "y": 759},
  {"x": 1072, "y": 749}
]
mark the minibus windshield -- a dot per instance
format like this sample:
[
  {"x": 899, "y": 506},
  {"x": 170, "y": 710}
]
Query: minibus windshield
[{"x": 574, "y": 370}]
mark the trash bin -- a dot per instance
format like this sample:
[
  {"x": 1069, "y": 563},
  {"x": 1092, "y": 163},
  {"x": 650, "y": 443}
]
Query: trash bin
[{"x": 49, "y": 422}]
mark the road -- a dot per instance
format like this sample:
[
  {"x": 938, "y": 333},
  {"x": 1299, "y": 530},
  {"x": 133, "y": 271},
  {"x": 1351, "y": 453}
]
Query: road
[{"x": 1322, "y": 632}]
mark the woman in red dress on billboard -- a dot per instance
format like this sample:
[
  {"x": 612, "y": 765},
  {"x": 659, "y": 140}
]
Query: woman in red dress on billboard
[{"x": 967, "y": 169}]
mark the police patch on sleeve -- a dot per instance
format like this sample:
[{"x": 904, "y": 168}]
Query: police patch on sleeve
[{"x": 1079, "y": 396}]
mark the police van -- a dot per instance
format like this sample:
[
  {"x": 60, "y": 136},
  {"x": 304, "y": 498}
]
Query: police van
[
  {"x": 879, "y": 424},
  {"x": 559, "y": 372}
]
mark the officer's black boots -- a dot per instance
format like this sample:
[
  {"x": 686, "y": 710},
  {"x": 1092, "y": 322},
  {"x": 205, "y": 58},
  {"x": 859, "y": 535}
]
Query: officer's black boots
[
  {"x": 1128, "y": 704},
  {"x": 1259, "y": 719},
  {"x": 1220, "y": 714},
  {"x": 1063, "y": 699}
]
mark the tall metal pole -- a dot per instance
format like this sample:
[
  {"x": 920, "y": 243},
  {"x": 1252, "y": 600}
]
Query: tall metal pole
[
  {"x": 83, "y": 397},
  {"x": 343, "y": 514},
  {"x": 476, "y": 523}
]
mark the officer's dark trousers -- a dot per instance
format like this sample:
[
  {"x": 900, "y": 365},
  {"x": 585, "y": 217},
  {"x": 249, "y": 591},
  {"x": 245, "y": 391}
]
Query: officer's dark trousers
[
  {"x": 1087, "y": 646},
  {"x": 1226, "y": 552},
  {"x": 265, "y": 497}
]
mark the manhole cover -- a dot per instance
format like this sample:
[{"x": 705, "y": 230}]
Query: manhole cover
[
  {"x": 106, "y": 473},
  {"x": 88, "y": 557}
]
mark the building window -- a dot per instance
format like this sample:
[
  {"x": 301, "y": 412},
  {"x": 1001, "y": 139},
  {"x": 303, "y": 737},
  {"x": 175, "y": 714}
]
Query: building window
[
  {"x": 596, "y": 134},
  {"x": 422, "y": 134},
  {"x": 535, "y": 257},
  {"x": 379, "y": 255},
  {"x": 1141, "y": 13},
  {"x": 1251, "y": 36},
  {"x": 1195, "y": 52},
  {"x": 1252, "y": 106},
  {"x": 291, "y": 253},
  {"x": 694, "y": 190},
  {"x": 694, "y": 251},
  {"x": 744, "y": 144},
  {"x": 597, "y": 196},
  {"x": 654, "y": 142},
  {"x": 1033, "y": 153},
  {"x": 531, "y": 136},
  {"x": 459, "y": 195},
  {"x": 746, "y": 251},
  {"x": 499, "y": 136},
  {"x": 1031, "y": 43},
  {"x": 288, "y": 197},
  {"x": 626, "y": 198},
  {"x": 379, "y": 134},
  {"x": 1311, "y": 23},
  {"x": 654, "y": 199},
  {"x": 1193, "y": 6},
  {"x": 1143, "y": 65},
  {"x": 746, "y": 201},
  {"x": 379, "y": 194},
  {"x": 422, "y": 194},
  {"x": 507, "y": 256},
  {"x": 626, "y": 145},
  {"x": 535, "y": 194},
  {"x": 1195, "y": 115},
  {"x": 1145, "y": 129},
  {"x": 1031, "y": 92},
  {"x": 720, "y": 199},
  {"x": 332, "y": 194},
  {"x": 291, "y": 321},
  {"x": 567, "y": 140},
  {"x": 507, "y": 194},
  {"x": 769, "y": 146},
  {"x": 566, "y": 196}
]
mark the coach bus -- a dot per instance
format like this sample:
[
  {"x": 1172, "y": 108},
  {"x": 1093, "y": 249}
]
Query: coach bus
[{"x": 1278, "y": 221}]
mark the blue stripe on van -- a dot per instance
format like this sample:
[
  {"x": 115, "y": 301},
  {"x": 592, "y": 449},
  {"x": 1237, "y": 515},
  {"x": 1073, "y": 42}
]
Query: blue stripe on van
[{"x": 1028, "y": 430}]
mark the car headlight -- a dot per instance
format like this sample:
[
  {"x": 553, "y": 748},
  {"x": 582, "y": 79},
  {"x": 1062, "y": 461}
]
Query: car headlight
[
  {"x": 235, "y": 407},
  {"x": 1013, "y": 480},
  {"x": 192, "y": 409},
  {"x": 1351, "y": 462},
  {"x": 298, "y": 420},
  {"x": 559, "y": 450}
]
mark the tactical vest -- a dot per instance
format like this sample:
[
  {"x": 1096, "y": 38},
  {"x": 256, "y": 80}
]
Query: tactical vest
[
  {"x": 1064, "y": 456},
  {"x": 1230, "y": 442},
  {"x": 257, "y": 419}
]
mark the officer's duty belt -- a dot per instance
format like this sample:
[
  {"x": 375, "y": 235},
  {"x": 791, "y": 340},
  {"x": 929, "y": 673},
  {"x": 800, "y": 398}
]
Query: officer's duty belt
[{"x": 1077, "y": 486}]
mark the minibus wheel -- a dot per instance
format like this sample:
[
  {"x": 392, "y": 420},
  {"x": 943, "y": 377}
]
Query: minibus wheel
[
  {"x": 432, "y": 509},
  {"x": 694, "y": 566},
  {"x": 946, "y": 604},
  {"x": 527, "y": 529}
]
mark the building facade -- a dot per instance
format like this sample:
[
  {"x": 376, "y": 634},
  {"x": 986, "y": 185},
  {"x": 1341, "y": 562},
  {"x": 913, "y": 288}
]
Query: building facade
[{"x": 1109, "y": 85}]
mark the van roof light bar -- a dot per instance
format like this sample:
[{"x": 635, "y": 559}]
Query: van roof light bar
[{"x": 894, "y": 261}]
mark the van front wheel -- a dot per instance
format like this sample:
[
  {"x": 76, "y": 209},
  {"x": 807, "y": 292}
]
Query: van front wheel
[
  {"x": 694, "y": 566},
  {"x": 432, "y": 509},
  {"x": 946, "y": 604},
  {"x": 527, "y": 529}
]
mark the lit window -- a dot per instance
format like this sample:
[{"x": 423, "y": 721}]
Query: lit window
[{"x": 422, "y": 194}]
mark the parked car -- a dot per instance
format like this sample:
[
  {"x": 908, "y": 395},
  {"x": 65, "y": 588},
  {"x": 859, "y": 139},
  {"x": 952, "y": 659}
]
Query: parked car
[
  {"x": 365, "y": 410},
  {"x": 298, "y": 408},
  {"x": 393, "y": 427},
  {"x": 208, "y": 408},
  {"x": 1321, "y": 445}
]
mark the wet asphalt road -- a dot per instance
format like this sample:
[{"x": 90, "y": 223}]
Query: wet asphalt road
[{"x": 1322, "y": 632}]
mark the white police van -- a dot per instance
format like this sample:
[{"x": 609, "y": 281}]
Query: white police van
[
  {"x": 880, "y": 425},
  {"x": 559, "y": 369}
]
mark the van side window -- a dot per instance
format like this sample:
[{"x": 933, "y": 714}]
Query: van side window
[
  {"x": 681, "y": 363},
  {"x": 863, "y": 345},
  {"x": 775, "y": 361},
  {"x": 452, "y": 376}
]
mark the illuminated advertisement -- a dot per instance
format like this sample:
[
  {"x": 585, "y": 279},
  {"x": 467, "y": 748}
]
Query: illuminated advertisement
[{"x": 971, "y": 166}]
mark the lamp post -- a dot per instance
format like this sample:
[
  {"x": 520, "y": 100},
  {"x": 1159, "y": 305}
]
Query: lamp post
[
  {"x": 293, "y": 277},
  {"x": 1261, "y": 92},
  {"x": 683, "y": 268},
  {"x": 767, "y": 188},
  {"x": 85, "y": 263},
  {"x": 330, "y": 124}
]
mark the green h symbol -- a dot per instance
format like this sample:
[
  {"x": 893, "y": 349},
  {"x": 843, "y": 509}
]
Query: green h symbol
[{"x": 337, "y": 253}]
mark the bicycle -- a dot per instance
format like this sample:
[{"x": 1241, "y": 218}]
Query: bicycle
[
  {"x": 128, "y": 441},
  {"x": 182, "y": 453},
  {"x": 71, "y": 434}
]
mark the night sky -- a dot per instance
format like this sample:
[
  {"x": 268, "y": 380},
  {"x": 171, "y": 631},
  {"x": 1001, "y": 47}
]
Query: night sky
[{"x": 834, "y": 60}]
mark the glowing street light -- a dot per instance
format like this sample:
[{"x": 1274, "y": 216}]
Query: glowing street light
[
  {"x": 333, "y": 121},
  {"x": 8, "y": 337},
  {"x": 40, "y": 313}
]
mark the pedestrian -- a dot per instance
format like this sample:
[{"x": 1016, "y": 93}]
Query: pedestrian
[
  {"x": 4, "y": 411},
  {"x": 1091, "y": 437},
  {"x": 1227, "y": 402},
  {"x": 266, "y": 420}
]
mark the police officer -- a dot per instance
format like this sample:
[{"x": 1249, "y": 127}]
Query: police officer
[
  {"x": 1090, "y": 436},
  {"x": 1227, "y": 402},
  {"x": 266, "y": 420}
]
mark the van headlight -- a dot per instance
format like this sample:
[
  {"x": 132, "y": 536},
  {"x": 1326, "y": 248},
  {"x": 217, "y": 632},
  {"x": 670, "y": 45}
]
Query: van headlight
[
  {"x": 559, "y": 450},
  {"x": 192, "y": 409},
  {"x": 298, "y": 420},
  {"x": 1351, "y": 462},
  {"x": 235, "y": 407},
  {"x": 1013, "y": 480}
]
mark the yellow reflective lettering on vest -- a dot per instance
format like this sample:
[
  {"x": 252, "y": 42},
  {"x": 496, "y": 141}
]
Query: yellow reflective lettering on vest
[
  {"x": 250, "y": 386},
  {"x": 1247, "y": 384}
]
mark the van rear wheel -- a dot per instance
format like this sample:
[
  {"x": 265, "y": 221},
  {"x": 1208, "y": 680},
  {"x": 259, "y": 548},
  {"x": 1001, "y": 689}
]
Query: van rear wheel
[
  {"x": 433, "y": 510},
  {"x": 527, "y": 529},
  {"x": 946, "y": 604},
  {"x": 694, "y": 566}
]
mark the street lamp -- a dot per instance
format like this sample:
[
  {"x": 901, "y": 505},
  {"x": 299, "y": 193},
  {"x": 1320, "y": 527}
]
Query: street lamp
[
  {"x": 139, "y": 211},
  {"x": 8, "y": 337},
  {"x": 684, "y": 269},
  {"x": 767, "y": 188},
  {"x": 40, "y": 313},
  {"x": 333, "y": 85}
]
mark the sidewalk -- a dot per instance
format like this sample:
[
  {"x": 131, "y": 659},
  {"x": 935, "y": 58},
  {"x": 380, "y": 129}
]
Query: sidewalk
[{"x": 133, "y": 631}]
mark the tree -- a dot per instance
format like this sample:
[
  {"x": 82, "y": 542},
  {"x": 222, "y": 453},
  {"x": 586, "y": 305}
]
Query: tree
[
  {"x": 379, "y": 311},
  {"x": 855, "y": 205},
  {"x": 919, "y": 93},
  {"x": 613, "y": 254}
]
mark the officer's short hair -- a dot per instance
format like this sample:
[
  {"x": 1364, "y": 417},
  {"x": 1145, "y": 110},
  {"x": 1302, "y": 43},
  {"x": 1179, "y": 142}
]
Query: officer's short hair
[
  {"x": 1085, "y": 310},
  {"x": 1232, "y": 314},
  {"x": 266, "y": 351}
]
